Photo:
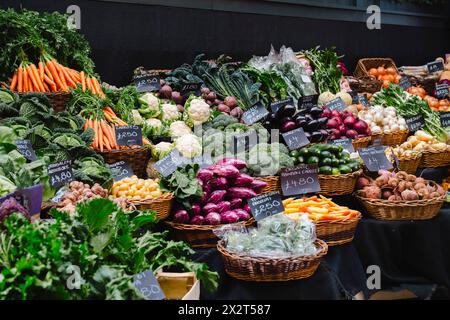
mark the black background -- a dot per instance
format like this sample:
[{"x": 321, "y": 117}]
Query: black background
[{"x": 125, "y": 36}]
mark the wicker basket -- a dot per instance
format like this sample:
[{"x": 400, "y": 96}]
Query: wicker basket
[
  {"x": 402, "y": 210},
  {"x": 435, "y": 159},
  {"x": 151, "y": 171},
  {"x": 428, "y": 82},
  {"x": 261, "y": 269},
  {"x": 273, "y": 183},
  {"x": 337, "y": 185},
  {"x": 361, "y": 142},
  {"x": 58, "y": 100},
  {"x": 391, "y": 139},
  {"x": 161, "y": 205},
  {"x": 365, "y": 84},
  {"x": 136, "y": 157},
  {"x": 410, "y": 164},
  {"x": 337, "y": 232},
  {"x": 364, "y": 65},
  {"x": 198, "y": 236}
]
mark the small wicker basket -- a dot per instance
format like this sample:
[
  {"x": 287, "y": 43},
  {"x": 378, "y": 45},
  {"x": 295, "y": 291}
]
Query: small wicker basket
[
  {"x": 361, "y": 142},
  {"x": 161, "y": 205},
  {"x": 410, "y": 164},
  {"x": 402, "y": 210},
  {"x": 365, "y": 84},
  {"x": 136, "y": 157},
  {"x": 262, "y": 269},
  {"x": 273, "y": 184},
  {"x": 391, "y": 139},
  {"x": 364, "y": 65},
  {"x": 337, "y": 232},
  {"x": 435, "y": 159},
  {"x": 198, "y": 236},
  {"x": 337, "y": 185}
]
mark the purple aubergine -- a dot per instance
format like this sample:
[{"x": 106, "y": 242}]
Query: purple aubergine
[
  {"x": 181, "y": 216},
  {"x": 241, "y": 192},
  {"x": 243, "y": 180},
  {"x": 205, "y": 175},
  {"x": 229, "y": 217},
  {"x": 223, "y": 206},
  {"x": 217, "y": 196},
  {"x": 242, "y": 214},
  {"x": 226, "y": 170},
  {"x": 258, "y": 185},
  {"x": 212, "y": 218},
  {"x": 235, "y": 162},
  {"x": 235, "y": 203},
  {"x": 288, "y": 126},
  {"x": 198, "y": 220},
  {"x": 209, "y": 207}
]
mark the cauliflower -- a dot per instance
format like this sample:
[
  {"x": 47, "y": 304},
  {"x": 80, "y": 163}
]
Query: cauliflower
[
  {"x": 153, "y": 127},
  {"x": 150, "y": 105},
  {"x": 189, "y": 146},
  {"x": 170, "y": 112},
  {"x": 161, "y": 150},
  {"x": 196, "y": 111},
  {"x": 178, "y": 129}
]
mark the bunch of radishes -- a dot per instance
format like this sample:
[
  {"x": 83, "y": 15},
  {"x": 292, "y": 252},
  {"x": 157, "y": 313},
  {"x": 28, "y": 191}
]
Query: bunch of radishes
[
  {"x": 229, "y": 105},
  {"x": 343, "y": 124}
]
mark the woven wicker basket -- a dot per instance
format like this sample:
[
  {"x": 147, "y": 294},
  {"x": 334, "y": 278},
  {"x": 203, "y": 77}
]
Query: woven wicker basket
[
  {"x": 58, "y": 100},
  {"x": 435, "y": 159},
  {"x": 151, "y": 171},
  {"x": 428, "y": 83},
  {"x": 337, "y": 185},
  {"x": 391, "y": 139},
  {"x": 402, "y": 210},
  {"x": 161, "y": 205},
  {"x": 365, "y": 84},
  {"x": 261, "y": 269},
  {"x": 136, "y": 157},
  {"x": 337, "y": 232},
  {"x": 198, "y": 236},
  {"x": 361, "y": 142},
  {"x": 273, "y": 183},
  {"x": 410, "y": 164},
  {"x": 364, "y": 65}
]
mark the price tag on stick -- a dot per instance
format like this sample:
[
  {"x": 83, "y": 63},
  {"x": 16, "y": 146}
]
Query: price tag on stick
[
  {"x": 26, "y": 149},
  {"x": 255, "y": 113},
  {"x": 128, "y": 135},
  {"x": 191, "y": 87},
  {"x": 295, "y": 139},
  {"x": 148, "y": 286},
  {"x": 442, "y": 90},
  {"x": 405, "y": 83},
  {"x": 301, "y": 179},
  {"x": 445, "y": 119},
  {"x": 121, "y": 170},
  {"x": 375, "y": 158},
  {"x": 60, "y": 173},
  {"x": 307, "y": 102},
  {"x": 435, "y": 66},
  {"x": 336, "y": 104},
  {"x": 265, "y": 205},
  {"x": 415, "y": 123},
  {"x": 346, "y": 143},
  {"x": 147, "y": 83},
  {"x": 167, "y": 165}
]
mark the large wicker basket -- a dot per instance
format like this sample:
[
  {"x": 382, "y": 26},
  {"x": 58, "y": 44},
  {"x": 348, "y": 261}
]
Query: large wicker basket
[
  {"x": 273, "y": 184},
  {"x": 361, "y": 142},
  {"x": 161, "y": 205},
  {"x": 337, "y": 185},
  {"x": 261, "y": 269},
  {"x": 402, "y": 210},
  {"x": 364, "y": 65},
  {"x": 435, "y": 159},
  {"x": 337, "y": 232},
  {"x": 410, "y": 164},
  {"x": 365, "y": 84},
  {"x": 136, "y": 157},
  {"x": 198, "y": 236},
  {"x": 391, "y": 139}
]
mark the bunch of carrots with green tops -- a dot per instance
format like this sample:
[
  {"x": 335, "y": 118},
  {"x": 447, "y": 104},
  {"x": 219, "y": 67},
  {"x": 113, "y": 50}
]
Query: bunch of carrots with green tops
[{"x": 50, "y": 76}]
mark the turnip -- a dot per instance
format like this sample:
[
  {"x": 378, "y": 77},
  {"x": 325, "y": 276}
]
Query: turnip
[
  {"x": 236, "y": 112},
  {"x": 230, "y": 102},
  {"x": 180, "y": 107},
  {"x": 166, "y": 91},
  {"x": 223, "y": 108},
  {"x": 176, "y": 96},
  {"x": 205, "y": 91},
  {"x": 211, "y": 96}
]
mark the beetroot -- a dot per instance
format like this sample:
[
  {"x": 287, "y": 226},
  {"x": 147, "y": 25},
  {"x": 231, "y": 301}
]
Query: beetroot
[
  {"x": 235, "y": 203},
  {"x": 243, "y": 180},
  {"x": 223, "y": 206},
  {"x": 176, "y": 96},
  {"x": 230, "y": 102},
  {"x": 223, "y": 108},
  {"x": 236, "y": 112},
  {"x": 166, "y": 91},
  {"x": 211, "y": 96},
  {"x": 181, "y": 216},
  {"x": 212, "y": 218},
  {"x": 229, "y": 217},
  {"x": 198, "y": 220},
  {"x": 242, "y": 214}
]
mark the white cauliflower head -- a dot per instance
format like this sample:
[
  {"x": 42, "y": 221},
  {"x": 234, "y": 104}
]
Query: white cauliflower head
[
  {"x": 161, "y": 149},
  {"x": 150, "y": 105},
  {"x": 189, "y": 146},
  {"x": 196, "y": 111},
  {"x": 170, "y": 112},
  {"x": 178, "y": 129}
]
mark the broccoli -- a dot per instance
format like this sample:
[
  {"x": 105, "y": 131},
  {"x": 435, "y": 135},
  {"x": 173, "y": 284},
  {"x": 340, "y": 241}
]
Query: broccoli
[
  {"x": 221, "y": 121},
  {"x": 268, "y": 159}
]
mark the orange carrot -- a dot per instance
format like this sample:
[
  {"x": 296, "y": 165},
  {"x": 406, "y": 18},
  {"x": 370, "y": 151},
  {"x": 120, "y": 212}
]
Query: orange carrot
[
  {"x": 67, "y": 76},
  {"x": 20, "y": 79},
  {"x": 30, "y": 84},
  {"x": 83, "y": 81},
  {"x": 33, "y": 78},
  {"x": 48, "y": 73},
  {"x": 14, "y": 82},
  {"x": 100, "y": 136},
  {"x": 48, "y": 80},
  {"x": 41, "y": 71},
  {"x": 37, "y": 78},
  {"x": 106, "y": 143},
  {"x": 62, "y": 78},
  {"x": 46, "y": 87},
  {"x": 55, "y": 76},
  {"x": 89, "y": 85},
  {"x": 98, "y": 87},
  {"x": 25, "y": 80}
]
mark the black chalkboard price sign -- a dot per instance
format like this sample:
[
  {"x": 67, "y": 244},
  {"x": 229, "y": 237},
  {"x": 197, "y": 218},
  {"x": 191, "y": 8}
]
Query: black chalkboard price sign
[
  {"x": 295, "y": 139},
  {"x": 346, "y": 143},
  {"x": 148, "y": 286},
  {"x": 255, "y": 113},
  {"x": 60, "y": 173},
  {"x": 147, "y": 83},
  {"x": 336, "y": 104},
  {"x": 278, "y": 104},
  {"x": 301, "y": 179},
  {"x": 121, "y": 170},
  {"x": 435, "y": 66},
  {"x": 167, "y": 165},
  {"x": 405, "y": 83},
  {"x": 307, "y": 102},
  {"x": 128, "y": 135},
  {"x": 363, "y": 100},
  {"x": 375, "y": 158},
  {"x": 191, "y": 87},
  {"x": 415, "y": 123},
  {"x": 442, "y": 90},
  {"x": 445, "y": 119},
  {"x": 266, "y": 205},
  {"x": 26, "y": 149}
]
